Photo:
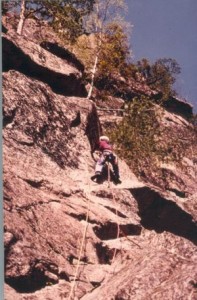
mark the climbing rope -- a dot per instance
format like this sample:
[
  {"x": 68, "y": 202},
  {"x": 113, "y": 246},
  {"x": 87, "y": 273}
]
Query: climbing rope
[
  {"x": 80, "y": 252},
  {"x": 85, "y": 231},
  {"x": 118, "y": 225},
  {"x": 108, "y": 174}
]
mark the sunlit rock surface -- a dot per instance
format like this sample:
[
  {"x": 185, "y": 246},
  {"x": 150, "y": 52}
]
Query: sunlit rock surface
[{"x": 135, "y": 240}]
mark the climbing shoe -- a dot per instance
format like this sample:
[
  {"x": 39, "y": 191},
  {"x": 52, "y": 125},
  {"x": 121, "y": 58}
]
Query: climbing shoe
[
  {"x": 117, "y": 181},
  {"x": 96, "y": 177}
]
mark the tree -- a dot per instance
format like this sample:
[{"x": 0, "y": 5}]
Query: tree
[
  {"x": 104, "y": 12},
  {"x": 65, "y": 16},
  {"x": 142, "y": 139},
  {"x": 114, "y": 52},
  {"x": 24, "y": 8},
  {"x": 21, "y": 18},
  {"x": 144, "y": 68},
  {"x": 161, "y": 75},
  {"x": 137, "y": 135},
  {"x": 5, "y": 7}
]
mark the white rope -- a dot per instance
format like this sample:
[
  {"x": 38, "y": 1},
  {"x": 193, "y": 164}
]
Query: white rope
[
  {"x": 80, "y": 252},
  {"x": 118, "y": 225}
]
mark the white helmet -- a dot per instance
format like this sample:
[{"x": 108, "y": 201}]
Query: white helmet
[{"x": 104, "y": 138}]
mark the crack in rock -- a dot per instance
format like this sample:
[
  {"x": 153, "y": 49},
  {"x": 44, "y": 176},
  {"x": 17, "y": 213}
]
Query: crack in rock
[
  {"x": 15, "y": 58},
  {"x": 117, "y": 212},
  {"x": 33, "y": 204},
  {"x": 82, "y": 217},
  {"x": 110, "y": 230},
  {"x": 63, "y": 53},
  {"x": 177, "y": 192},
  {"x": 41, "y": 273},
  {"x": 9, "y": 118},
  {"x": 104, "y": 253},
  {"x": 34, "y": 183}
]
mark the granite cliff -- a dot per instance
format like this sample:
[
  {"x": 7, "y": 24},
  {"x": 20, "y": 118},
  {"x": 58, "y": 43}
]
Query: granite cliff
[{"x": 67, "y": 237}]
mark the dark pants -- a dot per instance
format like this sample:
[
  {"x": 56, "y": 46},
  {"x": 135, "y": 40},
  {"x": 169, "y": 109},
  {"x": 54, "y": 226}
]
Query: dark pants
[{"x": 107, "y": 156}]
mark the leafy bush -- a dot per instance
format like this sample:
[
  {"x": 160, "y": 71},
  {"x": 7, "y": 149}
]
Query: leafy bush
[
  {"x": 143, "y": 140},
  {"x": 135, "y": 136},
  {"x": 160, "y": 75}
]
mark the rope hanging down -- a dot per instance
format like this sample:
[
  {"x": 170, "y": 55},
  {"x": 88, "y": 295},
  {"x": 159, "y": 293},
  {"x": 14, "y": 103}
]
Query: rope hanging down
[
  {"x": 80, "y": 252},
  {"x": 118, "y": 225},
  {"x": 85, "y": 231}
]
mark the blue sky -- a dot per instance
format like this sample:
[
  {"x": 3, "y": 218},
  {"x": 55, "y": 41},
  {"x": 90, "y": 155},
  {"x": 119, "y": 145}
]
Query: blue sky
[{"x": 167, "y": 28}]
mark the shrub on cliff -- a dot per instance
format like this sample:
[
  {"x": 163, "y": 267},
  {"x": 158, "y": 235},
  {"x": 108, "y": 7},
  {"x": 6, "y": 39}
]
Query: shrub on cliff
[
  {"x": 64, "y": 16},
  {"x": 161, "y": 75},
  {"x": 135, "y": 135},
  {"x": 144, "y": 142}
]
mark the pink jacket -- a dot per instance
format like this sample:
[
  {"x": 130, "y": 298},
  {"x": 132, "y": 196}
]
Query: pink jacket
[{"x": 103, "y": 145}]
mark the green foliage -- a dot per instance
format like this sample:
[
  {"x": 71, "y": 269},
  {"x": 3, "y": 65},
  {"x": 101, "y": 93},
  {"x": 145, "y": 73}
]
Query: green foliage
[
  {"x": 5, "y": 6},
  {"x": 113, "y": 58},
  {"x": 103, "y": 23},
  {"x": 137, "y": 134},
  {"x": 114, "y": 53},
  {"x": 65, "y": 16},
  {"x": 83, "y": 48},
  {"x": 161, "y": 75},
  {"x": 144, "y": 142},
  {"x": 65, "y": 19}
]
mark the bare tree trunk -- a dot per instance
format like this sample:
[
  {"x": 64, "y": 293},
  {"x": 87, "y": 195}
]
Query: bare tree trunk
[
  {"x": 21, "y": 18},
  {"x": 94, "y": 69},
  {"x": 102, "y": 8},
  {"x": 93, "y": 75}
]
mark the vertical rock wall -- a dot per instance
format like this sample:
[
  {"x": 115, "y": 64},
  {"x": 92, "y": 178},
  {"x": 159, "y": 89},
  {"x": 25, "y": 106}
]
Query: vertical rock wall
[{"x": 67, "y": 237}]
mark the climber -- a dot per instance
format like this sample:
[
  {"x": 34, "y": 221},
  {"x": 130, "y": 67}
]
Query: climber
[{"x": 106, "y": 155}]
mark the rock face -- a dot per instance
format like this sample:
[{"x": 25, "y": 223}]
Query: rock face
[
  {"x": 33, "y": 60},
  {"x": 179, "y": 107},
  {"x": 67, "y": 237}
]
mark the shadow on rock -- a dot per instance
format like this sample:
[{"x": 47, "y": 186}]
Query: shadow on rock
[{"x": 160, "y": 214}]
